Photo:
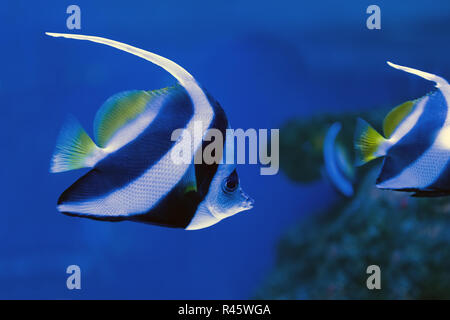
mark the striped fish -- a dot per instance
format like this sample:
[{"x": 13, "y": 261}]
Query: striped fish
[
  {"x": 415, "y": 145},
  {"x": 133, "y": 175}
]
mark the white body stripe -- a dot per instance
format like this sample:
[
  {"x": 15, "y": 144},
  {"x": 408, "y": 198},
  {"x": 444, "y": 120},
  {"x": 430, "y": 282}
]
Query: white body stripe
[
  {"x": 428, "y": 167},
  {"x": 404, "y": 127},
  {"x": 133, "y": 129},
  {"x": 203, "y": 218},
  {"x": 126, "y": 134},
  {"x": 409, "y": 122},
  {"x": 143, "y": 193}
]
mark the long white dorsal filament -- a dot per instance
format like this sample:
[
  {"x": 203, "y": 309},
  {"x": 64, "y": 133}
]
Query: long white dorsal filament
[
  {"x": 198, "y": 97},
  {"x": 174, "y": 69},
  {"x": 440, "y": 82}
]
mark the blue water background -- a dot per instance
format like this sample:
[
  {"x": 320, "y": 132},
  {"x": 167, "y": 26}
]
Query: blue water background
[{"x": 265, "y": 61}]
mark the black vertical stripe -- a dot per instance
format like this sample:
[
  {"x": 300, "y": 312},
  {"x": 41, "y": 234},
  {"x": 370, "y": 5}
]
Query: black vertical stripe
[
  {"x": 178, "y": 208},
  {"x": 129, "y": 162},
  {"x": 418, "y": 140}
]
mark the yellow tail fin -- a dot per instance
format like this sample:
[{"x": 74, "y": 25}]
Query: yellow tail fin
[
  {"x": 74, "y": 149},
  {"x": 367, "y": 143}
]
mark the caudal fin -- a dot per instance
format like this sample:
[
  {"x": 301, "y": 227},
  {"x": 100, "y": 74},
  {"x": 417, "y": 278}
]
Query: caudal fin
[
  {"x": 74, "y": 149},
  {"x": 367, "y": 143}
]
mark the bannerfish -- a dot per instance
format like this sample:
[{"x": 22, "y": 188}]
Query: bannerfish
[
  {"x": 338, "y": 169},
  {"x": 415, "y": 145},
  {"x": 133, "y": 175}
]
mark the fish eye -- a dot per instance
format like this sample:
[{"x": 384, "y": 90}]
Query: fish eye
[{"x": 231, "y": 183}]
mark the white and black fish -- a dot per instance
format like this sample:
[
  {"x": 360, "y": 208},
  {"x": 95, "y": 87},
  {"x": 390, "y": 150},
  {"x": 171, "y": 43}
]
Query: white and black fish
[
  {"x": 416, "y": 142},
  {"x": 133, "y": 176}
]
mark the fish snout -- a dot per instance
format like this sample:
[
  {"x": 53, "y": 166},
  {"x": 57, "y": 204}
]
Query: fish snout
[{"x": 247, "y": 202}]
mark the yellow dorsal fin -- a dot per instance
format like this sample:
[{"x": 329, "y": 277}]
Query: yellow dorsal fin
[
  {"x": 393, "y": 119},
  {"x": 124, "y": 107},
  {"x": 117, "y": 111}
]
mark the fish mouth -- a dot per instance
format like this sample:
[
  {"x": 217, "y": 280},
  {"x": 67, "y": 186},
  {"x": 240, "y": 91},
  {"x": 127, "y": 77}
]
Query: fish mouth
[{"x": 247, "y": 202}]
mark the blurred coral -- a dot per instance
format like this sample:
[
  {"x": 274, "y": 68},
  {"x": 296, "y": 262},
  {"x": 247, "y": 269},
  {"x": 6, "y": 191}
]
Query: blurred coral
[{"x": 326, "y": 255}]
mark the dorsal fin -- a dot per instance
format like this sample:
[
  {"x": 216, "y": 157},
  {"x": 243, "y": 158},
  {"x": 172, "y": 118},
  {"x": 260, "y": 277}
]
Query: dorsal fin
[
  {"x": 440, "y": 82},
  {"x": 116, "y": 112},
  {"x": 174, "y": 69},
  {"x": 125, "y": 107},
  {"x": 395, "y": 116}
]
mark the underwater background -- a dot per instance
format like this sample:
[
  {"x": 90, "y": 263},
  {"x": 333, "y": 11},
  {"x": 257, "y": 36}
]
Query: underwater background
[{"x": 294, "y": 65}]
